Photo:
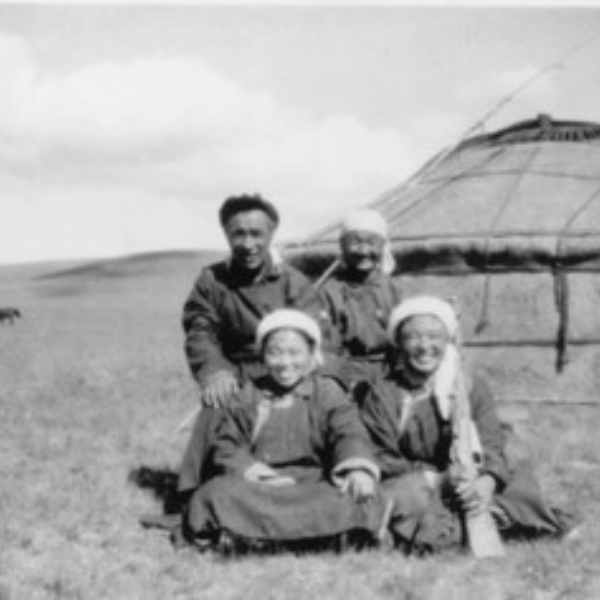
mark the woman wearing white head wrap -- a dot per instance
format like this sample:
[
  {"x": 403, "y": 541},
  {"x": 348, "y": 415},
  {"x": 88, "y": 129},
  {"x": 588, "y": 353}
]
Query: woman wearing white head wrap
[
  {"x": 360, "y": 295},
  {"x": 295, "y": 320},
  {"x": 367, "y": 226},
  {"x": 423, "y": 305},
  {"x": 408, "y": 416},
  {"x": 292, "y": 447}
]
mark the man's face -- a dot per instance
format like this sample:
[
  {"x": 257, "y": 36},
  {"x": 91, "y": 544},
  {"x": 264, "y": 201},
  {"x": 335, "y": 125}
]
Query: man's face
[
  {"x": 362, "y": 250},
  {"x": 249, "y": 234}
]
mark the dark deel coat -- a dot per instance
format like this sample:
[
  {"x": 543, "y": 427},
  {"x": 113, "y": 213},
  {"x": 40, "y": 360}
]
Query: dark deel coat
[
  {"x": 429, "y": 520},
  {"x": 319, "y": 434},
  {"x": 359, "y": 314},
  {"x": 222, "y": 312}
]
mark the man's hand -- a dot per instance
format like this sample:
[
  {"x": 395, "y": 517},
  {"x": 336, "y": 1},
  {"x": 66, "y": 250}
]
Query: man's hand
[
  {"x": 359, "y": 484},
  {"x": 218, "y": 389},
  {"x": 475, "y": 496}
]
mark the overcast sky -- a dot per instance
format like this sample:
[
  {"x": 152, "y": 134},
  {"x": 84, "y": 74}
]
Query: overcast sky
[{"x": 123, "y": 127}]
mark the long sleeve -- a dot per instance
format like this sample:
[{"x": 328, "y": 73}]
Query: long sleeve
[
  {"x": 232, "y": 451},
  {"x": 300, "y": 292},
  {"x": 340, "y": 437},
  {"x": 383, "y": 433},
  {"x": 490, "y": 432},
  {"x": 333, "y": 308},
  {"x": 347, "y": 435},
  {"x": 202, "y": 326},
  {"x": 333, "y": 349}
]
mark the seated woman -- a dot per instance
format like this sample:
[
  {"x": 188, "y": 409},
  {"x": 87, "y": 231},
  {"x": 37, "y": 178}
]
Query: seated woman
[
  {"x": 409, "y": 418},
  {"x": 360, "y": 295},
  {"x": 295, "y": 460}
]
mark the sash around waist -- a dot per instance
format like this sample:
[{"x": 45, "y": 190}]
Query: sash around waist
[{"x": 370, "y": 358}]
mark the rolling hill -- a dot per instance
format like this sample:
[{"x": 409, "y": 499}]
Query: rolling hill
[{"x": 164, "y": 276}]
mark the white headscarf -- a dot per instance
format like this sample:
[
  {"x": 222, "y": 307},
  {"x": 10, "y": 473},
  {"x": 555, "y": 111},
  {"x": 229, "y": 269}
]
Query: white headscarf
[
  {"x": 365, "y": 219},
  {"x": 288, "y": 318},
  {"x": 370, "y": 220},
  {"x": 422, "y": 305},
  {"x": 443, "y": 383}
]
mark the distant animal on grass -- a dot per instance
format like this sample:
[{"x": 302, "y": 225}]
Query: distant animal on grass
[{"x": 9, "y": 314}]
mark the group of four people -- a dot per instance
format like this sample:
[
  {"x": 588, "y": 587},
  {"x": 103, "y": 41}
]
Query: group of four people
[{"x": 326, "y": 412}]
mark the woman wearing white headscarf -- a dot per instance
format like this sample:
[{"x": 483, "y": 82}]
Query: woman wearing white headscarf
[
  {"x": 296, "y": 462},
  {"x": 360, "y": 295},
  {"x": 409, "y": 418}
]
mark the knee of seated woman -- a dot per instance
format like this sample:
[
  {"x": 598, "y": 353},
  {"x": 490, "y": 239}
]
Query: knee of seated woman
[{"x": 410, "y": 494}]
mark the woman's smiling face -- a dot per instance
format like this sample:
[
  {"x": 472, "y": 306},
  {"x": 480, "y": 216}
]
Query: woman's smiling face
[
  {"x": 422, "y": 340},
  {"x": 288, "y": 356}
]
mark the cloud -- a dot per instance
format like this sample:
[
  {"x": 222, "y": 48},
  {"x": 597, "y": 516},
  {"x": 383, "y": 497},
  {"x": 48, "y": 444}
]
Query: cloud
[
  {"x": 123, "y": 147},
  {"x": 109, "y": 112}
]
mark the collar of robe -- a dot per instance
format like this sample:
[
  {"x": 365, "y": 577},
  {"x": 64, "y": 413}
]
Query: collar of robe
[
  {"x": 419, "y": 389},
  {"x": 269, "y": 271},
  {"x": 356, "y": 278},
  {"x": 274, "y": 397},
  {"x": 280, "y": 396}
]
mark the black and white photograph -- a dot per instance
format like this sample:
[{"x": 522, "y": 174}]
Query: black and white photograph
[{"x": 299, "y": 300}]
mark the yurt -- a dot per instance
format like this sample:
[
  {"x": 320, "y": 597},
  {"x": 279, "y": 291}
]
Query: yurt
[{"x": 507, "y": 225}]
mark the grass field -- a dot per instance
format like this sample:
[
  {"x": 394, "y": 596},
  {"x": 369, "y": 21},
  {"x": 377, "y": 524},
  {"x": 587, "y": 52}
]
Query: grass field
[{"x": 92, "y": 387}]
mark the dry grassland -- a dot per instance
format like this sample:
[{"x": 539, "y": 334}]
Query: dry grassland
[{"x": 92, "y": 386}]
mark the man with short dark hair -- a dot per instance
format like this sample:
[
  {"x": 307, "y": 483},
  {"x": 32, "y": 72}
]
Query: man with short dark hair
[{"x": 221, "y": 314}]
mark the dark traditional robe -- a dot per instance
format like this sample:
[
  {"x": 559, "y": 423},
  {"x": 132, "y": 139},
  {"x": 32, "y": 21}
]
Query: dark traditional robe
[
  {"x": 222, "y": 312},
  {"x": 409, "y": 444},
  {"x": 313, "y": 436},
  {"x": 220, "y": 318},
  {"x": 359, "y": 313}
]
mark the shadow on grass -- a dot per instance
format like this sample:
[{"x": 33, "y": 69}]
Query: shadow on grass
[{"x": 162, "y": 483}]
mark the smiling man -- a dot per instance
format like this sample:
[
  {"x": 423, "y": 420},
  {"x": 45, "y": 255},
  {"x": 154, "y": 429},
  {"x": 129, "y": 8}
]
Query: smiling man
[{"x": 222, "y": 312}]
